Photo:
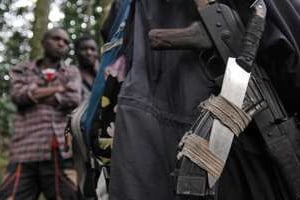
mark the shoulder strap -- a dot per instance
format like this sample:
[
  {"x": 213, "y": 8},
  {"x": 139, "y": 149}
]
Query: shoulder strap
[{"x": 111, "y": 52}]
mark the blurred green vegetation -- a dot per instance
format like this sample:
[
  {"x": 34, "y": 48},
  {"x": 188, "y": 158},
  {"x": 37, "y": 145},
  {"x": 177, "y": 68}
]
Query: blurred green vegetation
[{"x": 3, "y": 164}]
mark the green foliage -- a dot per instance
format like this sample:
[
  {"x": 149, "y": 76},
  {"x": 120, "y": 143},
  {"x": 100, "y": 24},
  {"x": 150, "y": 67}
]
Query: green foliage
[
  {"x": 7, "y": 108},
  {"x": 4, "y": 7},
  {"x": 17, "y": 48},
  {"x": 85, "y": 17},
  {"x": 15, "y": 23},
  {"x": 15, "y": 32},
  {"x": 3, "y": 164},
  {"x": 4, "y": 81},
  {"x": 81, "y": 17}
]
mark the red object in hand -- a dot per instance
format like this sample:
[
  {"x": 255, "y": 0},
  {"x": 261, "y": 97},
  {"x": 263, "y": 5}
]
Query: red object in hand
[{"x": 49, "y": 74}]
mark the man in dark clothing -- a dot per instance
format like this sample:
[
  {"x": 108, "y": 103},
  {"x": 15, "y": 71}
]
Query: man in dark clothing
[
  {"x": 159, "y": 98},
  {"x": 87, "y": 52},
  {"x": 44, "y": 91}
]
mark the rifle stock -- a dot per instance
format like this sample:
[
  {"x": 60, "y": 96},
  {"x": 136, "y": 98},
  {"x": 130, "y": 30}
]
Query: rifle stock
[{"x": 192, "y": 37}]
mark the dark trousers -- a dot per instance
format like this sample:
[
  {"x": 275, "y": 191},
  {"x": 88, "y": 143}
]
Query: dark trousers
[{"x": 25, "y": 181}]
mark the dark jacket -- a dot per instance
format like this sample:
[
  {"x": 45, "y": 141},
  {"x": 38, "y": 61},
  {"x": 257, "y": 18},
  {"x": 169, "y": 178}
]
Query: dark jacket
[{"x": 159, "y": 98}]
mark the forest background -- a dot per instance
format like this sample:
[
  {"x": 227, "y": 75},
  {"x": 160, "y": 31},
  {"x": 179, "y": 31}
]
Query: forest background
[{"x": 22, "y": 24}]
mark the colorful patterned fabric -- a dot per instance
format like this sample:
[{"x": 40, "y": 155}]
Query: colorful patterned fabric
[{"x": 35, "y": 123}]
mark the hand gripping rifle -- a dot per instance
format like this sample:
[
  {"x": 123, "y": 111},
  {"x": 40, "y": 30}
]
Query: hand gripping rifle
[{"x": 205, "y": 147}]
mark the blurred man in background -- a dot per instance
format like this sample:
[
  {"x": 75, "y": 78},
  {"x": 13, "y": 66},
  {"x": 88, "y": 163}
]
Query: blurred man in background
[
  {"x": 44, "y": 91},
  {"x": 86, "y": 51}
]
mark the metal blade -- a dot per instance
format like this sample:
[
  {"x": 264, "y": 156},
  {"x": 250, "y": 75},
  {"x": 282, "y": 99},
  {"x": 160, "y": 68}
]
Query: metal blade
[{"x": 234, "y": 88}]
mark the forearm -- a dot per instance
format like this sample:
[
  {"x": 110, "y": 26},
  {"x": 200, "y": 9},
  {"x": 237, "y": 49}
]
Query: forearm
[
  {"x": 68, "y": 99},
  {"x": 71, "y": 96},
  {"x": 44, "y": 92}
]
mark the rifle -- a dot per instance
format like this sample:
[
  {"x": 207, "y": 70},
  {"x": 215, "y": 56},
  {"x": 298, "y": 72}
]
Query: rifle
[{"x": 217, "y": 37}]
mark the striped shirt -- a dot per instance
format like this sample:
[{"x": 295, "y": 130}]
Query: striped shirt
[{"x": 36, "y": 123}]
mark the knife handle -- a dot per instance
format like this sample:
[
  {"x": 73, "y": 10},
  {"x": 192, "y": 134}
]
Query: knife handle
[{"x": 253, "y": 34}]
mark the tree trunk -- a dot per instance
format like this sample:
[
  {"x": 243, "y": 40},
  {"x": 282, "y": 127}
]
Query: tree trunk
[
  {"x": 40, "y": 25},
  {"x": 106, "y": 5},
  {"x": 89, "y": 13}
]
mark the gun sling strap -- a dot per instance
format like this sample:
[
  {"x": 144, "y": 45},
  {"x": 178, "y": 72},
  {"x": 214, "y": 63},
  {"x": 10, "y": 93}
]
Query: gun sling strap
[{"x": 278, "y": 130}]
